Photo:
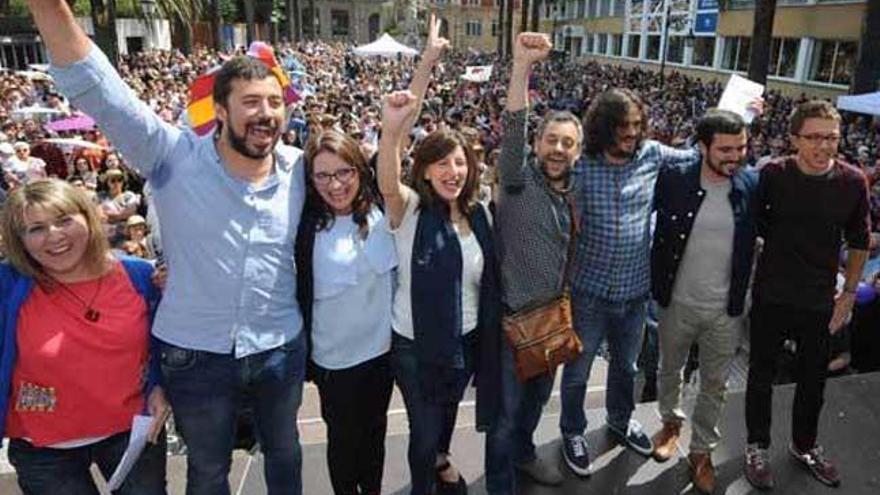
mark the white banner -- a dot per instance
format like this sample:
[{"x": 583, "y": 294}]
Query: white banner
[{"x": 477, "y": 73}]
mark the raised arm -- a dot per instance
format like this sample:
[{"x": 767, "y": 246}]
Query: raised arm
[
  {"x": 529, "y": 48},
  {"x": 66, "y": 41},
  {"x": 91, "y": 83},
  {"x": 422, "y": 77},
  {"x": 397, "y": 110}
]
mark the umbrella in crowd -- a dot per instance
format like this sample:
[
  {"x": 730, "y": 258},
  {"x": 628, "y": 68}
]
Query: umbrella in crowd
[
  {"x": 78, "y": 122},
  {"x": 74, "y": 143}
]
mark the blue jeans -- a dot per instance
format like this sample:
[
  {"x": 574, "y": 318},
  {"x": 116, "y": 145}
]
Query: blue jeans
[
  {"x": 622, "y": 324},
  {"x": 509, "y": 442},
  {"x": 207, "y": 391},
  {"x": 430, "y": 423},
  {"x": 46, "y": 471}
]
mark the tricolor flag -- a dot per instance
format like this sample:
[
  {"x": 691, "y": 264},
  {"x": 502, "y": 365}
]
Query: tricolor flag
[
  {"x": 201, "y": 102},
  {"x": 477, "y": 73}
]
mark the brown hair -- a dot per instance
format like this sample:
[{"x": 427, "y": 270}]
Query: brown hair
[
  {"x": 435, "y": 147},
  {"x": 62, "y": 198},
  {"x": 606, "y": 114},
  {"x": 349, "y": 151},
  {"x": 813, "y": 109}
]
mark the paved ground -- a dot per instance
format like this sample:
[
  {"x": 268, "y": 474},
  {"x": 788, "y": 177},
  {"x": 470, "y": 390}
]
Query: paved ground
[{"x": 852, "y": 437}]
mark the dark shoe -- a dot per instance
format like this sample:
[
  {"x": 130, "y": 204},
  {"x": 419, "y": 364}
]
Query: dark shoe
[
  {"x": 450, "y": 487},
  {"x": 815, "y": 460},
  {"x": 758, "y": 467},
  {"x": 634, "y": 437},
  {"x": 702, "y": 472},
  {"x": 541, "y": 471},
  {"x": 666, "y": 441},
  {"x": 576, "y": 454}
]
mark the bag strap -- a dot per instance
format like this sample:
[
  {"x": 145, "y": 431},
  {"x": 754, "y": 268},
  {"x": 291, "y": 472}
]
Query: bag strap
[{"x": 573, "y": 226}]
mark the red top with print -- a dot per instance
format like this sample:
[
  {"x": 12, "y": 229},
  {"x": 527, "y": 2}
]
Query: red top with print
[{"x": 74, "y": 378}]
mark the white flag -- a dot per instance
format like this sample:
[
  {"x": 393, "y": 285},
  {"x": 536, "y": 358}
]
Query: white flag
[{"x": 477, "y": 73}]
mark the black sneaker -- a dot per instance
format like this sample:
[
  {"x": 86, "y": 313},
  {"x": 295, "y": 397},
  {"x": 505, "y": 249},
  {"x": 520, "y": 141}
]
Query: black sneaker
[
  {"x": 634, "y": 437},
  {"x": 576, "y": 454}
]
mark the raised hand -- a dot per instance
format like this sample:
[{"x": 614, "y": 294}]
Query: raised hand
[
  {"x": 435, "y": 45},
  {"x": 397, "y": 110},
  {"x": 531, "y": 47}
]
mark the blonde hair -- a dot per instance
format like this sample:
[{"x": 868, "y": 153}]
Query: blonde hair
[{"x": 61, "y": 198}]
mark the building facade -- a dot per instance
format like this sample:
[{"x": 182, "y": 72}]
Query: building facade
[
  {"x": 356, "y": 21},
  {"x": 473, "y": 24},
  {"x": 814, "y": 47}
]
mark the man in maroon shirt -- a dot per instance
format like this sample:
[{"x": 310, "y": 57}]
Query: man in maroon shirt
[{"x": 809, "y": 204}]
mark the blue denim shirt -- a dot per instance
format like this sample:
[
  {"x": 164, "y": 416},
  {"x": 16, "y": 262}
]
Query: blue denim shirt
[
  {"x": 229, "y": 244},
  {"x": 612, "y": 255}
]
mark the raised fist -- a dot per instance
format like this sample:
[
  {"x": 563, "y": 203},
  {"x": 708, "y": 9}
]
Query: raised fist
[
  {"x": 397, "y": 109},
  {"x": 531, "y": 47}
]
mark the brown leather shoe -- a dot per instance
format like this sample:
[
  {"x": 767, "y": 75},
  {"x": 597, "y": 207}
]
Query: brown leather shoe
[
  {"x": 666, "y": 441},
  {"x": 702, "y": 472}
]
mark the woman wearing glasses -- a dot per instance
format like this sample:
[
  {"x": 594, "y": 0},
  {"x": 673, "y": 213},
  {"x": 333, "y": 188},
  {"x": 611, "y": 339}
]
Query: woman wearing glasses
[
  {"x": 345, "y": 261},
  {"x": 74, "y": 347}
]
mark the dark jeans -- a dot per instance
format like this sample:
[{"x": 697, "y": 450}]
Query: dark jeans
[
  {"x": 206, "y": 393},
  {"x": 509, "y": 442},
  {"x": 770, "y": 323},
  {"x": 45, "y": 471},
  {"x": 354, "y": 404},
  {"x": 622, "y": 324},
  {"x": 430, "y": 423}
]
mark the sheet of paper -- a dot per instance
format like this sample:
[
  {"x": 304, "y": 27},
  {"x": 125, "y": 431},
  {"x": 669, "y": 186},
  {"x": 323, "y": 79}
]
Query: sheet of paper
[
  {"x": 739, "y": 94},
  {"x": 140, "y": 427}
]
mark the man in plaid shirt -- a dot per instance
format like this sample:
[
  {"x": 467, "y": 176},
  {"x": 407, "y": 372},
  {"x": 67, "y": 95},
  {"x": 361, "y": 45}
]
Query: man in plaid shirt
[{"x": 610, "y": 276}]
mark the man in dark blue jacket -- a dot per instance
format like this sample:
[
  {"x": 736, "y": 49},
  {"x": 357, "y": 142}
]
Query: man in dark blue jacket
[{"x": 701, "y": 261}]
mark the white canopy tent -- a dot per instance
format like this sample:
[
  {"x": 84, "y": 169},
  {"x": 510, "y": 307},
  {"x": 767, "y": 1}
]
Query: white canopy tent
[
  {"x": 868, "y": 103},
  {"x": 385, "y": 46}
]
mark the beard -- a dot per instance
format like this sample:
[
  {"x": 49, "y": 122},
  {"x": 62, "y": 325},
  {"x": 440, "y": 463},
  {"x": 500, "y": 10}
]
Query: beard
[
  {"x": 238, "y": 142},
  {"x": 725, "y": 168}
]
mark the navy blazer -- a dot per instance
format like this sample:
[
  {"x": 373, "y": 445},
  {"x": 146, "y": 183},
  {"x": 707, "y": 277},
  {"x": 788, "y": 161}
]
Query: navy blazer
[{"x": 677, "y": 199}]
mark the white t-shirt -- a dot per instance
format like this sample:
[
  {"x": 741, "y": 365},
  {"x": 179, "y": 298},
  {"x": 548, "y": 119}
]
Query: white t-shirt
[
  {"x": 472, "y": 270},
  {"x": 351, "y": 318}
]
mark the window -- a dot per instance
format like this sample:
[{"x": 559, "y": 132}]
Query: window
[
  {"x": 581, "y": 9},
  {"x": 591, "y": 9},
  {"x": 616, "y": 45},
  {"x": 339, "y": 22},
  {"x": 618, "y": 8},
  {"x": 494, "y": 28},
  {"x": 783, "y": 57},
  {"x": 736, "y": 53},
  {"x": 602, "y": 44},
  {"x": 833, "y": 61},
  {"x": 590, "y": 43},
  {"x": 604, "y": 8},
  {"x": 473, "y": 28},
  {"x": 704, "y": 51},
  {"x": 675, "y": 49},
  {"x": 633, "y": 46},
  {"x": 653, "y": 49}
]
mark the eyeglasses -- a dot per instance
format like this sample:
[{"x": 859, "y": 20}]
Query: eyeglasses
[
  {"x": 820, "y": 138},
  {"x": 343, "y": 175}
]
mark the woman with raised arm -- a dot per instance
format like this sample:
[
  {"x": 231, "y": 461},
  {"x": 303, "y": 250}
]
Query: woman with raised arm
[{"x": 446, "y": 316}]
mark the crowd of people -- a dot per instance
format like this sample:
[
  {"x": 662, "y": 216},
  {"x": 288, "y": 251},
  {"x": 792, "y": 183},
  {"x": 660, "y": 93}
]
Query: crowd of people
[{"x": 412, "y": 216}]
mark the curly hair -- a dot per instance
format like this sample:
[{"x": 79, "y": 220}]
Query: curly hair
[{"x": 606, "y": 114}]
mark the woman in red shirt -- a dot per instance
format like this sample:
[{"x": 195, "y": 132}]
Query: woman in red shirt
[{"x": 74, "y": 347}]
